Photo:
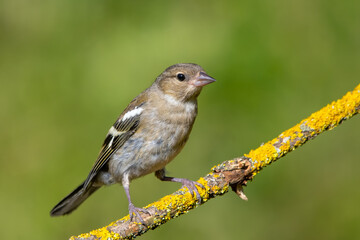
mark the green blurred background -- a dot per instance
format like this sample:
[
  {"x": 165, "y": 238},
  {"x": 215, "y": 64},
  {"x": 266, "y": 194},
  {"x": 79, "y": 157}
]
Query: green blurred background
[{"x": 68, "y": 68}]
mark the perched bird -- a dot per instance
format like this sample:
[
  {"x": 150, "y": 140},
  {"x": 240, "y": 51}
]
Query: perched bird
[{"x": 149, "y": 133}]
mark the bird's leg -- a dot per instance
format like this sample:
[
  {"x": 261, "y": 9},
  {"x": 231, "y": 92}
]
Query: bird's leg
[
  {"x": 191, "y": 185},
  {"x": 133, "y": 211}
]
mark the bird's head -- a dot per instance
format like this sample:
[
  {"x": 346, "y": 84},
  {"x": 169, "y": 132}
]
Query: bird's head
[{"x": 183, "y": 81}]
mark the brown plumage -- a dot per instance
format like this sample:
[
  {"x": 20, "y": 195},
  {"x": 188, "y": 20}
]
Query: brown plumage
[{"x": 149, "y": 133}]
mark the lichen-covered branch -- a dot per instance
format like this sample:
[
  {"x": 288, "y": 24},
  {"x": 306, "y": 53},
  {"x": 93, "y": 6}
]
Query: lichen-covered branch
[{"x": 233, "y": 173}]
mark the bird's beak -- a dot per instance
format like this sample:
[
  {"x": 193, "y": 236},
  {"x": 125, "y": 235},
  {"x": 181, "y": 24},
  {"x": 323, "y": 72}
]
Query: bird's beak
[{"x": 202, "y": 80}]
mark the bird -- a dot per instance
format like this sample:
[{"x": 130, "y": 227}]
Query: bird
[{"x": 147, "y": 135}]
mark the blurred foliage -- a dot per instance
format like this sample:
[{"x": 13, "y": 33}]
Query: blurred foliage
[{"x": 68, "y": 68}]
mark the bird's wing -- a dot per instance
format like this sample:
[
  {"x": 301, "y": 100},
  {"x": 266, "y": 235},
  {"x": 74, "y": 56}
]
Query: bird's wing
[{"x": 119, "y": 133}]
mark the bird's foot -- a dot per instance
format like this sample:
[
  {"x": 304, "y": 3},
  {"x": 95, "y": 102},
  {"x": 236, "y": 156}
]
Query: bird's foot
[
  {"x": 134, "y": 211},
  {"x": 191, "y": 185}
]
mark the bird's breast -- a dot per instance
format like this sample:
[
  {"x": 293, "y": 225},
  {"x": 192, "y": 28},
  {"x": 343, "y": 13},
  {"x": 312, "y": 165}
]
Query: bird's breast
[
  {"x": 161, "y": 135},
  {"x": 168, "y": 130}
]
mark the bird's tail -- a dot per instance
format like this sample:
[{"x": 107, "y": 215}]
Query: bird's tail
[{"x": 73, "y": 200}]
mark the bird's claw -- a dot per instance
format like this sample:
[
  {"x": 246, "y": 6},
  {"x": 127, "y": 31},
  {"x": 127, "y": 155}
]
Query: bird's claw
[
  {"x": 191, "y": 185},
  {"x": 134, "y": 211}
]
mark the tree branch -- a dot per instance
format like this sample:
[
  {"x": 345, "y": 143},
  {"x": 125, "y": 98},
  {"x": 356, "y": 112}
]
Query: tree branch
[{"x": 234, "y": 173}]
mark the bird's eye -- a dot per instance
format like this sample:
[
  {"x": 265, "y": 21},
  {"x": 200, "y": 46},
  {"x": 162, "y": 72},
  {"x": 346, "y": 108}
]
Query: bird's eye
[{"x": 180, "y": 76}]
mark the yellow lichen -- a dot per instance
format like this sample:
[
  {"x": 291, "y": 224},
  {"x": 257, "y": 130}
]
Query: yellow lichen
[
  {"x": 327, "y": 118},
  {"x": 262, "y": 155},
  {"x": 101, "y": 233}
]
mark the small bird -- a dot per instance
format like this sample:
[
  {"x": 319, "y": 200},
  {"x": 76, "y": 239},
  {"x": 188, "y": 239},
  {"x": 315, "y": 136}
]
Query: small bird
[{"x": 149, "y": 133}]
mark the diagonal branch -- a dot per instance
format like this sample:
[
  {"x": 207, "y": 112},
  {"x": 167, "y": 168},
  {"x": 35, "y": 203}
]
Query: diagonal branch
[{"x": 234, "y": 173}]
